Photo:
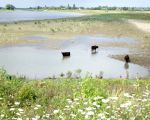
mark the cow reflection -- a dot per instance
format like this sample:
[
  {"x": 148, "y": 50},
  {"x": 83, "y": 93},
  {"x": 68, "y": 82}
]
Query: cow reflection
[{"x": 126, "y": 67}]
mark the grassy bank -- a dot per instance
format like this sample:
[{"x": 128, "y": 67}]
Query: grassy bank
[{"x": 73, "y": 99}]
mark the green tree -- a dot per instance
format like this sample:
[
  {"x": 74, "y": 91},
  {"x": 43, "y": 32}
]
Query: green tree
[
  {"x": 74, "y": 6},
  {"x": 10, "y": 7},
  {"x": 69, "y": 6}
]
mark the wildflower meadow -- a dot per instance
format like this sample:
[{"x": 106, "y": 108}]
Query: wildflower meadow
[{"x": 73, "y": 99}]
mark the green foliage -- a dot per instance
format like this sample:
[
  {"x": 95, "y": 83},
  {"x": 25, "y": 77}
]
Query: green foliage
[
  {"x": 10, "y": 7},
  {"x": 93, "y": 87},
  {"x": 27, "y": 93},
  {"x": 113, "y": 17},
  {"x": 3, "y": 74}
]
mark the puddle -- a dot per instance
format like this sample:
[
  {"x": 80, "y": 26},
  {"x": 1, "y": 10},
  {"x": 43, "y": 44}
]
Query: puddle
[{"x": 37, "y": 63}]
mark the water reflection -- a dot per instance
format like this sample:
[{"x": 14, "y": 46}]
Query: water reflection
[{"x": 126, "y": 67}]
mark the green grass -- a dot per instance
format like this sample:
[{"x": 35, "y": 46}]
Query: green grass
[
  {"x": 113, "y": 17},
  {"x": 69, "y": 97}
]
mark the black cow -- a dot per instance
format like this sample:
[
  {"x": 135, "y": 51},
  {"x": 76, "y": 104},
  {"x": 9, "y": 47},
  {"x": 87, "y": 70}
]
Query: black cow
[
  {"x": 93, "y": 48},
  {"x": 65, "y": 54},
  {"x": 127, "y": 59}
]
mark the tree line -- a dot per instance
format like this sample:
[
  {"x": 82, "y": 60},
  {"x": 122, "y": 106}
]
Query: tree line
[{"x": 74, "y": 7}]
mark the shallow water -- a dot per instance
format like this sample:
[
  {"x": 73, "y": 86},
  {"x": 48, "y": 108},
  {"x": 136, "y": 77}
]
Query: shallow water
[
  {"x": 23, "y": 15},
  {"x": 36, "y": 62}
]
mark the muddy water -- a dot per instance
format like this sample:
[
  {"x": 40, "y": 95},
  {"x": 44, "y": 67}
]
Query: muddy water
[{"x": 36, "y": 62}]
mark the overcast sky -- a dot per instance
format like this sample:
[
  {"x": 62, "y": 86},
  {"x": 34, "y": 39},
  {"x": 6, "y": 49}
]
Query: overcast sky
[{"x": 85, "y": 3}]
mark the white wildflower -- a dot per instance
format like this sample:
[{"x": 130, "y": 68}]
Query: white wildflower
[
  {"x": 69, "y": 101},
  {"x": 17, "y": 103},
  {"x": 72, "y": 106},
  {"x": 76, "y": 99},
  {"x": 1, "y": 98},
  {"x": 98, "y": 98},
  {"x": 85, "y": 103},
  {"x": 114, "y": 98},
  {"x": 89, "y": 113},
  {"x": 18, "y": 114},
  {"x": 126, "y": 105},
  {"x": 20, "y": 110},
  {"x": 86, "y": 117},
  {"x": 2, "y": 115},
  {"x": 83, "y": 113},
  {"x": 38, "y": 106},
  {"x": 37, "y": 117},
  {"x": 66, "y": 106},
  {"x": 61, "y": 117},
  {"x": 85, "y": 99},
  {"x": 107, "y": 107},
  {"x": 127, "y": 95},
  {"x": 136, "y": 85},
  {"x": 34, "y": 119},
  {"x": 13, "y": 118},
  {"x": 47, "y": 115},
  {"x": 80, "y": 111},
  {"x": 77, "y": 103},
  {"x": 12, "y": 109},
  {"x": 56, "y": 111},
  {"x": 98, "y": 106},
  {"x": 101, "y": 115},
  {"x": 89, "y": 108},
  {"x": 72, "y": 115},
  {"x": 94, "y": 103},
  {"x": 144, "y": 100},
  {"x": 105, "y": 100},
  {"x": 19, "y": 118}
]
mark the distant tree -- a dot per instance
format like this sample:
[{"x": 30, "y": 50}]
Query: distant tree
[
  {"x": 74, "y": 6},
  {"x": 69, "y": 6},
  {"x": 46, "y": 7},
  {"x": 125, "y": 8},
  {"x": 10, "y": 7},
  {"x": 82, "y": 8},
  {"x": 62, "y": 7},
  {"x": 38, "y": 7}
]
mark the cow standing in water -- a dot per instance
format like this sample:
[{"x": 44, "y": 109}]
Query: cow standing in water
[
  {"x": 126, "y": 65},
  {"x": 93, "y": 48},
  {"x": 127, "y": 59},
  {"x": 66, "y": 54}
]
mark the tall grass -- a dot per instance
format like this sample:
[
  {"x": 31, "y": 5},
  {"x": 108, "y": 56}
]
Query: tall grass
[{"x": 63, "y": 98}]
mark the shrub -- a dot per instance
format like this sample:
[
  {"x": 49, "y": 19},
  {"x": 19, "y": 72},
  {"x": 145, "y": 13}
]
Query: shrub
[
  {"x": 27, "y": 93},
  {"x": 93, "y": 87}
]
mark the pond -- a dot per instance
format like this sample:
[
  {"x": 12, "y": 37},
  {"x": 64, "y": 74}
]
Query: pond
[
  {"x": 24, "y": 15},
  {"x": 36, "y": 62}
]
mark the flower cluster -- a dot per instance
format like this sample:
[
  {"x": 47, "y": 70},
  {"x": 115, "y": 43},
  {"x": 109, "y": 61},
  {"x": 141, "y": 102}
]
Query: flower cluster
[{"x": 126, "y": 106}]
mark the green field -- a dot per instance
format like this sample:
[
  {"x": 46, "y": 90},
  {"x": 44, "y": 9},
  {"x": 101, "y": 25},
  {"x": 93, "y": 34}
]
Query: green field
[{"x": 72, "y": 98}]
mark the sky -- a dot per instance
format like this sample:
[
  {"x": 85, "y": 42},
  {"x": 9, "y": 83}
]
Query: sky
[{"x": 84, "y": 3}]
